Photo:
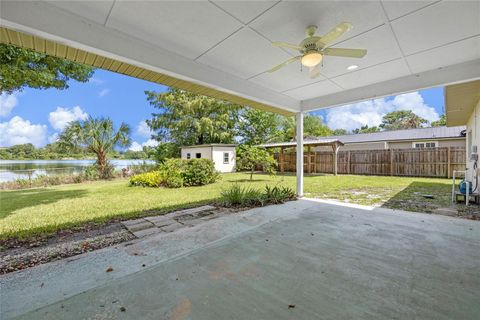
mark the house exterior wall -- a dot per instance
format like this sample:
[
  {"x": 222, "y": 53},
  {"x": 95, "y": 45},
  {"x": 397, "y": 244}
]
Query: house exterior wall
[
  {"x": 214, "y": 153},
  {"x": 441, "y": 143},
  {"x": 473, "y": 139},
  {"x": 217, "y": 157}
]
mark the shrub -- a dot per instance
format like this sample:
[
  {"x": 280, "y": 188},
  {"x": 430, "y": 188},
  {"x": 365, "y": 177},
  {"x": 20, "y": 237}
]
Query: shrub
[
  {"x": 147, "y": 179},
  {"x": 176, "y": 173},
  {"x": 236, "y": 196},
  {"x": 278, "y": 194},
  {"x": 249, "y": 157},
  {"x": 91, "y": 173},
  {"x": 199, "y": 172}
]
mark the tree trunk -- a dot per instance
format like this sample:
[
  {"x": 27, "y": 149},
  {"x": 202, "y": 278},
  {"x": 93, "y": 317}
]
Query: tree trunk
[
  {"x": 251, "y": 174},
  {"x": 102, "y": 165}
]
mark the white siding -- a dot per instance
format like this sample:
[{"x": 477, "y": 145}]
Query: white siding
[
  {"x": 218, "y": 154},
  {"x": 206, "y": 152},
  {"x": 214, "y": 153},
  {"x": 473, "y": 131}
]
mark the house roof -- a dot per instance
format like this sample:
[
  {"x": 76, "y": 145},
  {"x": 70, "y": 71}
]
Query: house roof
[
  {"x": 399, "y": 135},
  {"x": 210, "y": 145},
  {"x": 313, "y": 142}
]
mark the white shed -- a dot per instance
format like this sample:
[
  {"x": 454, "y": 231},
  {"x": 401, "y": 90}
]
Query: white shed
[{"x": 222, "y": 155}]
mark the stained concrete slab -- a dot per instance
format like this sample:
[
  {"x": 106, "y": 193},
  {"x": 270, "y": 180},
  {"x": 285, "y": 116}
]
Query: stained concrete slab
[{"x": 329, "y": 261}]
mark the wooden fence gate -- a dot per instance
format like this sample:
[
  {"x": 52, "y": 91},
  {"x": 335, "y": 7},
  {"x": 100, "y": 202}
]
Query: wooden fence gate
[{"x": 427, "y": 162}]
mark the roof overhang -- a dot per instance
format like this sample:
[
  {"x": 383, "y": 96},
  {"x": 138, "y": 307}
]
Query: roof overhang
[
  {"x": 222, "y": 48},
  {"x": 460, "y": 101},
  {"x": 308, "y": 143}
]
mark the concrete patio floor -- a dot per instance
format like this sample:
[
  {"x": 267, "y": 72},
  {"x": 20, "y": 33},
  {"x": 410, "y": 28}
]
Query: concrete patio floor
[{"x": 306, "y": 259}]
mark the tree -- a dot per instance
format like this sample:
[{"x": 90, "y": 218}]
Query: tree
[
  {"x": 366, "y": 129},
  {"x": 313, "y": 126},
  {"x": 186, "y": 118},
  {"x": 440, "y": 122},
  {"x": 20, "y": 68},
  {"x": 339, "y": 132},
  {"x": 402, "y": 119},
  {"x": 164, "y": 151},
  {"x": 98, "y": 136},
  {"x": 257, "y": 126},
  {"x": 248, "y": 157}
]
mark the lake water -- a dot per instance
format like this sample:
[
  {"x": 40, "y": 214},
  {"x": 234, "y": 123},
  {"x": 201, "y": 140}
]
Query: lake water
[{"x": 23, "y": 169}]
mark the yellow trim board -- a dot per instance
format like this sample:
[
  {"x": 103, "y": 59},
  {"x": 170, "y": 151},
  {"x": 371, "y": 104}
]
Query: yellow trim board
[{"x": 55, "y": 49}]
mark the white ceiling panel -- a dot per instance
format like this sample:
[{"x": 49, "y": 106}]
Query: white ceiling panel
[
  {"x": 437, "y": 25},
  {"x": 287, "y": 20},
  {"x": 379, "y": 42},
  {"x": 397, "y": 9},
  {"x": 289, "y": 77},
  {"x": 453, "y": 53},
  {"x": 245, "y": 11},
  {"x": 313, "y": 90},
  {"x": 188, "y": 28},
  {"x": 93, "y": 10},
  {"x": 378, "y": 73},
  {"x": 244, "y": 54}
]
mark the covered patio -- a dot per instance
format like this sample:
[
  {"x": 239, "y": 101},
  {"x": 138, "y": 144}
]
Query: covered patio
[
  {"x": 224, "y": 48},
  {"x": 307, "y": 259}
]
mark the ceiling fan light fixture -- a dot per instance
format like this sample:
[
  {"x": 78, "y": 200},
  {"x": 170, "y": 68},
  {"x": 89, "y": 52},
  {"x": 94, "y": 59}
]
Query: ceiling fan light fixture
[{"x": 311, "y": 59}]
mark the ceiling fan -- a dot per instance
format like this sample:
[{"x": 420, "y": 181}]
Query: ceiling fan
[{"x": 313, "y": 48}]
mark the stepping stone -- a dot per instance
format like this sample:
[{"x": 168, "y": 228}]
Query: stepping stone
[
  {"x": 172, "y": 227},
  {"x": 192, "y": 211},
  {"x": 129, "y": 223},
  {"x": 160, "y": 221},
  {"x": 193, "y": 222},
  {"x": 140, "y": 226},
  {"x": 146, "y": 232}
]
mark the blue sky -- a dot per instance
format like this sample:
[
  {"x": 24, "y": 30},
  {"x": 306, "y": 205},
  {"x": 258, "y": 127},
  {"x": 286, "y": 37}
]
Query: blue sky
[{"x": 37, "y": 116}]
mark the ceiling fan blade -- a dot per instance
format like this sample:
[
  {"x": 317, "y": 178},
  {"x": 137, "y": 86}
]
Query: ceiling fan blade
[
  {"x": 314, "y": 72},
  {"x": 342, "y": 52},
  {"x": 283, "y": 64},
  {"x": 286, "y": 45},
  {"x": 335, "y": 33}
]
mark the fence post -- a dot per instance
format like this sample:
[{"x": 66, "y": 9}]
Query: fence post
[
  {"x": 282, "y": 159},
  {"x": 348, "y": 162},
  {"x": 391, "y": 162},
  {"x": 449, "y": 163}
]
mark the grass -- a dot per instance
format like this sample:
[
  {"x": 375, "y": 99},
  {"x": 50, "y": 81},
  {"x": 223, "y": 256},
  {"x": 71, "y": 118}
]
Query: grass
[{"x": 29, "y": 212}]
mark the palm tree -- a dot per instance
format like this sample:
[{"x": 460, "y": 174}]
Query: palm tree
[{"x": 97, "y": 135}]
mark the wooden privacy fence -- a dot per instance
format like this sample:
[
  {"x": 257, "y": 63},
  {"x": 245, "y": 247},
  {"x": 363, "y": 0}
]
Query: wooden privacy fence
[{"x": 428, "y": 162}]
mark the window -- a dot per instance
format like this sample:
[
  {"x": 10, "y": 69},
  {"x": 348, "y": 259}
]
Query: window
[
  {"x": 198, "y": 155},
  {"x": 422, "y": 145},
  {"x": 189, "y": 156},
  {"x": 226, "y": 157}
]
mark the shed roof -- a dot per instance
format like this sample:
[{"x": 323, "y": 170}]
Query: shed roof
[
  {"x": 409, "y": 134},
  {"x": 210, "y": 145},
  {"x": 315, "y": 143}
]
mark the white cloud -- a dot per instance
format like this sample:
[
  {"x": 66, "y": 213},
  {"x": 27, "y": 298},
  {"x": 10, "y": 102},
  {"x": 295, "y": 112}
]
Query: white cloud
[
  {"x": 371, "y": 112},
  {"x": 62, "y": 116},
  {"x": 20, "y": 131},
  {"x": 104, "y": 92},
  {"x": 150, "y": 143},
  {"x": 135, "y": 146},
  {"x": 96, "y": 81},
  {"x": 144, "y": 130},
  {"x": 7, "y": 103}
]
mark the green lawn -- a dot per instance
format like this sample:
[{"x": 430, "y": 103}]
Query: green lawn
[{"x": 42, "y": 210}]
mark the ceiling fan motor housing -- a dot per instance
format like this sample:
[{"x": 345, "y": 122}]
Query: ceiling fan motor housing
[{"x": 310, "y": 44}]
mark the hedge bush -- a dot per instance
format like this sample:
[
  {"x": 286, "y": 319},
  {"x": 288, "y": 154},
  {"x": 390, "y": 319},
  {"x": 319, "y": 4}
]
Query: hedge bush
[
  {"x": 237, "y": 196},
  {"x": 176, "y": 173}
]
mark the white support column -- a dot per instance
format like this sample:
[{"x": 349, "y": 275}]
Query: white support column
[{"x": 299, "y": 123}]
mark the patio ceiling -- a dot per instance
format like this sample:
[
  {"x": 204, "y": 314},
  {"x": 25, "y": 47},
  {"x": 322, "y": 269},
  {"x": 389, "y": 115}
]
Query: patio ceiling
[{"x": 224, "y": 47}]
